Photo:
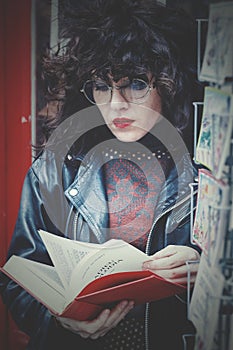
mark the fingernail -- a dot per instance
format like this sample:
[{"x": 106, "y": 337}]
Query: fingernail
[
  {"x": 124, "y": 304},
  {"x": 106, "y": 312},
  {"x": 131, "y": 304},
  {"x": 145, "y": 266}
]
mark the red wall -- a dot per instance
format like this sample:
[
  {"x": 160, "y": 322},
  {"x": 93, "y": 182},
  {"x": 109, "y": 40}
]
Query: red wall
[
  {"x": 2, "y": 179},
  {"x": 15, "y": 132}
]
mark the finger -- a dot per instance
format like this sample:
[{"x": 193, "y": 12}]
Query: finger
[
  {"x": 91, "y": 327},
  {"x": 184, "y": 280},
  {"x": 179, "y": 274},
  {"x": 82, "y": 334},
  {"x": 73, "y": 329},
  {"x": 170, "y": 250},
  {"x": 165, "y": 258},
  {"x": 95, "y": 336},
  {"x": 87, "y": 328},
  {"x": 66, "y": 326},
  {"x": 116, "y": 317},
  {"x": 117, "y": 314},
  {"x": 165, "y": 252},
  {"x": 164, "y": 263},
  {"x": 170, "y": 257},
  {"x": 66, "y": 323}
]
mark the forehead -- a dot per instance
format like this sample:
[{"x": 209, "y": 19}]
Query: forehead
[
  {"x": 120, "y": 71},
  {"x": 123, "y": 79}
]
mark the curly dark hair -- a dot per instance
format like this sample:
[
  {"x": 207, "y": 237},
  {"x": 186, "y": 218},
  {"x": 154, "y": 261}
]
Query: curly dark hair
[{"x": 126, "y": 38}]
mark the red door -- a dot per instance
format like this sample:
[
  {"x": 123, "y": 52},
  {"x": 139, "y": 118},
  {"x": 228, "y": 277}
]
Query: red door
[{"x": 15, "y": 133}]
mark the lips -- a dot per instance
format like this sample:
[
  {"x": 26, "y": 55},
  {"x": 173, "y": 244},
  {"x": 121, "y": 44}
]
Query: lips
[{"x": 122, "y": 122}]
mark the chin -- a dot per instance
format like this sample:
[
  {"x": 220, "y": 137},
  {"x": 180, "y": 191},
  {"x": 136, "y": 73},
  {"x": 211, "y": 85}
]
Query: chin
[{"x": 128, "y": 137}]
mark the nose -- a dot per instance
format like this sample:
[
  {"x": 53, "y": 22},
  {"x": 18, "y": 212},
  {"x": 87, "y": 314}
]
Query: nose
[{"x": 117, "y": 99}]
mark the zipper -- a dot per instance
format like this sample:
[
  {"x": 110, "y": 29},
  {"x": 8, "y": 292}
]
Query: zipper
[
  {"x": 148, "y": 246},
  {"x": 75, "y": 222}
]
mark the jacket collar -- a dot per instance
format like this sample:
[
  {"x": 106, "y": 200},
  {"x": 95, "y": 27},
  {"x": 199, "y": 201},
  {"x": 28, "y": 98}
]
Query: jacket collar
[{"x": 88, "y": 196}]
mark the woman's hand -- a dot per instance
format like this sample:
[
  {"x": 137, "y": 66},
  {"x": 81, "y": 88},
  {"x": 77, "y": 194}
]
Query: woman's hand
[
  {"x": 170, "y": 263},
  {"x": 98, "y": 327}
]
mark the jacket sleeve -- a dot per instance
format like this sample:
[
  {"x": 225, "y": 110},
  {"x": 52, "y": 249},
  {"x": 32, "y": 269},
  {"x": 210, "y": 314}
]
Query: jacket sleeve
[
  {"x": 174, "y": 208},
  {"x": 31, "y": 316}
]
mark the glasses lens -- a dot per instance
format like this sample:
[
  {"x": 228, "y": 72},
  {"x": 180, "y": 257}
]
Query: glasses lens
[
  {"x": 136, "y": 91},
  {"x": 101, "y": 92},
  {"x": 97, "y": 92}
]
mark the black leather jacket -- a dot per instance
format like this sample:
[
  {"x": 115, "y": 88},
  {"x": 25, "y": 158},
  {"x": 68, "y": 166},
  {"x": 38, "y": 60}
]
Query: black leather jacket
[{"x": 58, "y": 196}]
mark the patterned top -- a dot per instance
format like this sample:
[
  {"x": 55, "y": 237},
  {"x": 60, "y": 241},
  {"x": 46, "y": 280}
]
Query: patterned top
[{"x": 133, "y": 185}]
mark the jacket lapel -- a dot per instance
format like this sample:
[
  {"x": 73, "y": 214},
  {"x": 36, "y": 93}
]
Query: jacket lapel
[{"x": 88, "y": 196}]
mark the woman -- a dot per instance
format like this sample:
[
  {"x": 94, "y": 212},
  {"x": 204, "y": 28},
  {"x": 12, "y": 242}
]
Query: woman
[{"x": 118, "y": 169}]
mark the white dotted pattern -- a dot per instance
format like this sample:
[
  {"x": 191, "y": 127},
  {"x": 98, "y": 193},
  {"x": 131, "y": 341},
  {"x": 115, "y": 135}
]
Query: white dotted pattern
[{"x": 128, "y": 335}]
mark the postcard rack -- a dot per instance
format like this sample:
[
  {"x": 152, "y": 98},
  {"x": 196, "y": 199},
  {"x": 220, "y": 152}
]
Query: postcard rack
[
  {"x": 222, "y": 340},
  {"x": 225, "y": 316}
]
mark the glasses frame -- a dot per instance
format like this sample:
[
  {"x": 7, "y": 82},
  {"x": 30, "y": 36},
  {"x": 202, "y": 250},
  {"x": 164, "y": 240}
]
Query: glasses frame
[{"x": 150, "y": 87}]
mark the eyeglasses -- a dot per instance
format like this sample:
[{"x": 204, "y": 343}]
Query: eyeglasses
[{"x": 98, "y": 92}]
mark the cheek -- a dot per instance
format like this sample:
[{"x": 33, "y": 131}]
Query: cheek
[
  {"x": 104, "y": 112},
  {"x": 156, "y": 104},
  {"x": 153, "y": 115},
  {"x": 149, "y": 117},
  {"x": 151, "y": 120}
]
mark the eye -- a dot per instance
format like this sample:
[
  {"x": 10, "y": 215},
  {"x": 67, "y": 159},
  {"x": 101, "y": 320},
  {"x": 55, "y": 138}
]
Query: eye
[
  {"x": 100, "y": 86},
  {"x": 138, "y": 84}
]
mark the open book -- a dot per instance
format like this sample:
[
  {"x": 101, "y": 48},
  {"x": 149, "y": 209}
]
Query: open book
[{"x": 86, "y": 277}]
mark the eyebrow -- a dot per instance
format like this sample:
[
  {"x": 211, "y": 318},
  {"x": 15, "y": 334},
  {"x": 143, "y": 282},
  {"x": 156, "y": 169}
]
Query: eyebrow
[{"x": 127, "y": 78}]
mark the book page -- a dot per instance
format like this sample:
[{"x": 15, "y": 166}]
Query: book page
[
  {"x": 120, "y": 257},
  {"x": 47, "y": 273},
  {"x": 22, "y": 272},
  {"x": 65, "y": 253}
]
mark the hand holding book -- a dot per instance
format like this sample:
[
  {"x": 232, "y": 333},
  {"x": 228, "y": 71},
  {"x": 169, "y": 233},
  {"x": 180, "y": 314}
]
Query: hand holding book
[
  {"x": 170, "y": 263},
  {"x": 102, "y": 324},
  {"x": 86, "y": 278}
]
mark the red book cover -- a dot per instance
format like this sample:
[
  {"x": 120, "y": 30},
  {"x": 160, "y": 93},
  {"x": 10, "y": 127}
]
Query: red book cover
[{"x": 139, "y": 286}]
